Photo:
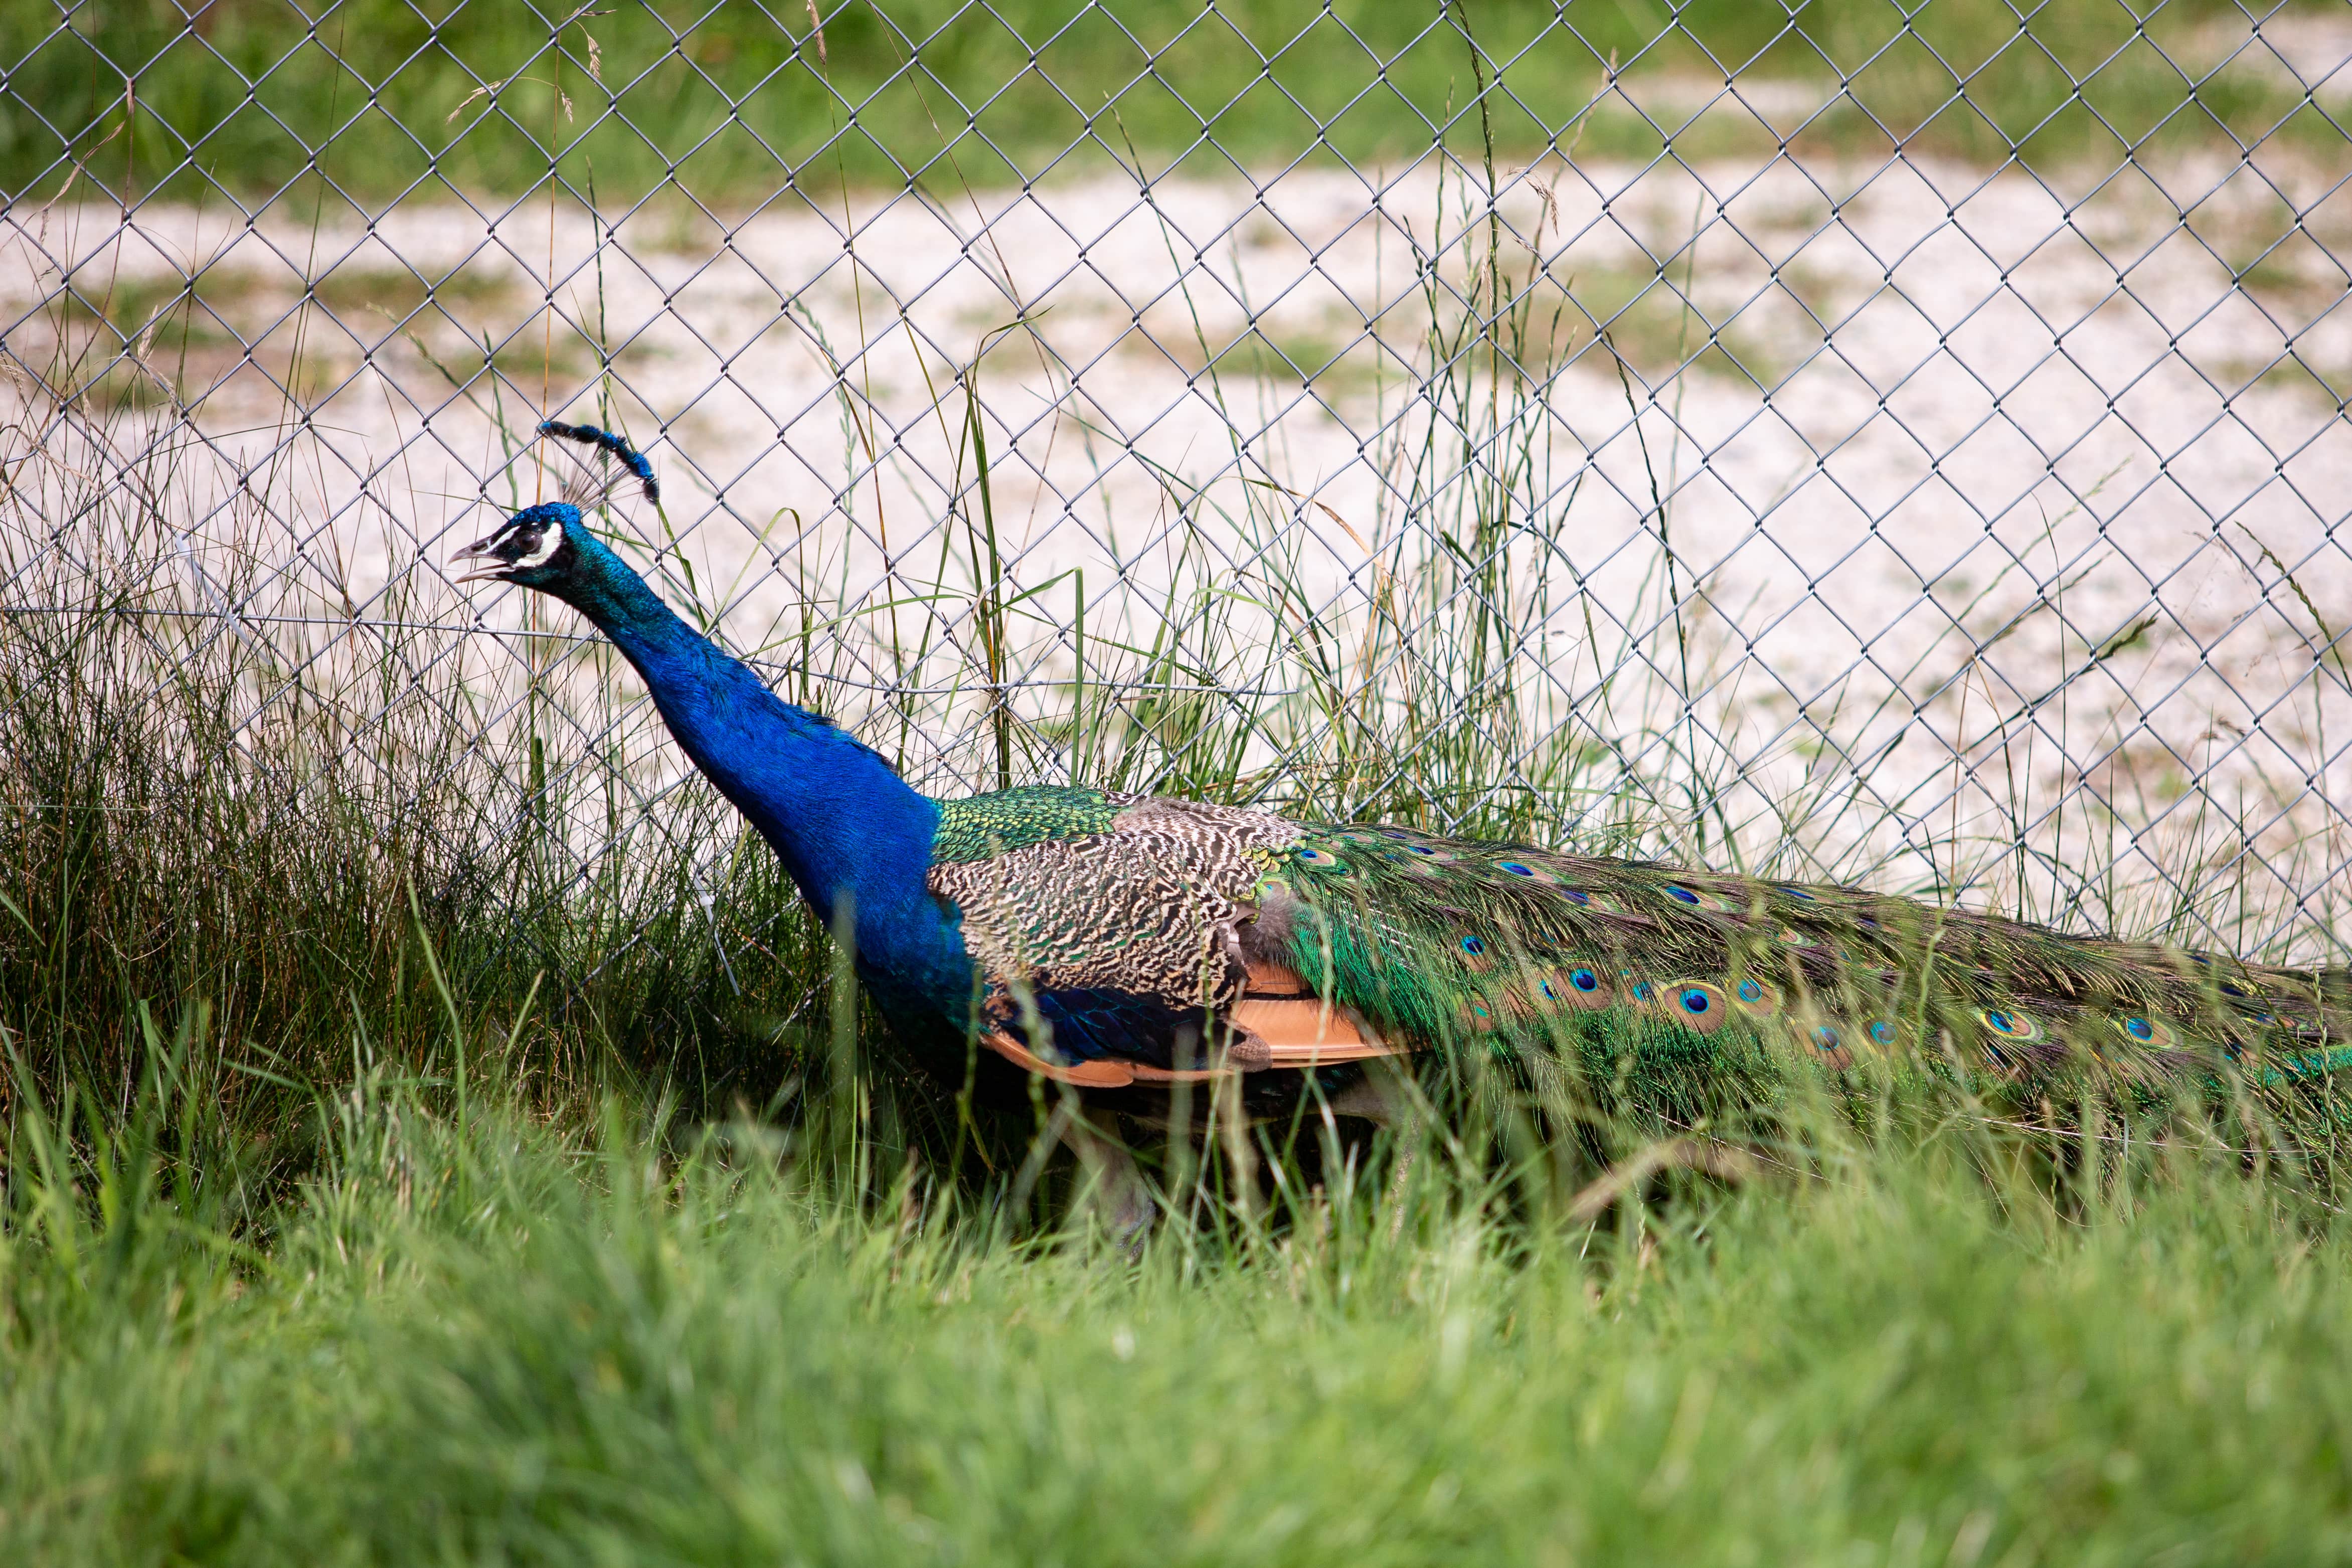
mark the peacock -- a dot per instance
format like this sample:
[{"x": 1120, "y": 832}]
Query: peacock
[{"x": 1134, "y": 947}]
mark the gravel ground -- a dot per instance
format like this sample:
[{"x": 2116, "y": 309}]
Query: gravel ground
[{"x": 1998, "y": 505}]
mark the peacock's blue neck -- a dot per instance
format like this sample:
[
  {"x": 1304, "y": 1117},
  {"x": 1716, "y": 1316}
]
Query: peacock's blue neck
[{"x": 843, "y": 824}]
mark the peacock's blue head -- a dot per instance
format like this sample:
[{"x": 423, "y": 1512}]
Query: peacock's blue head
[
  {"x": 546, "y": 547},
  {"x": 539, "y": 548}
]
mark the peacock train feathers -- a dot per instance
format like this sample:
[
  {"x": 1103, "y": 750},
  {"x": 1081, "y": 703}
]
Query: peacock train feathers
[
  {"x": 1132, "y": 925},
  {"x": 1123, "y": 944}
]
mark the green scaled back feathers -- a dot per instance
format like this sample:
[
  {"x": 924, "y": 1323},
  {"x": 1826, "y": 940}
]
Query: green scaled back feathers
[
  {"x": 1524, "y": 953},
  {"x": 984, "y": 825}
]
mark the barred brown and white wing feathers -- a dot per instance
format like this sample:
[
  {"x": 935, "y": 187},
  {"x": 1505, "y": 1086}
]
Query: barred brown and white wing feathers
[
  {"x": 1129, "y": 937},
  {"x": 1149, "y": 906}
]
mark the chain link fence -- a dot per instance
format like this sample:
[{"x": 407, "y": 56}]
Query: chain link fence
[{"x": 1900, "y": 447}]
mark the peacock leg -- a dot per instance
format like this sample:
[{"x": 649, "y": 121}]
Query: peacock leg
[
  {"x": 1378, "y": 1098},
  {"x": 1122, "y": 1199},
  {"x": 1372, "y": 1100}
]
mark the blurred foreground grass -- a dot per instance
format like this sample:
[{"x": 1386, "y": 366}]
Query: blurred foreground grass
[
  {"x": 740, "y": 102},
  {"x": 470, "y": 1336}
]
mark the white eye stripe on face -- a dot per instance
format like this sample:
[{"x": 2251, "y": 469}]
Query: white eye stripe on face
[{"x": 549, "y": 543}]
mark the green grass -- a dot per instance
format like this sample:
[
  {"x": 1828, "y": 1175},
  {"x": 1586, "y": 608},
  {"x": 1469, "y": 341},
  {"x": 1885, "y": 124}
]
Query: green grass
[
  {"x": 738, "y": 100},
  {"x": 470, "y": 1336}
]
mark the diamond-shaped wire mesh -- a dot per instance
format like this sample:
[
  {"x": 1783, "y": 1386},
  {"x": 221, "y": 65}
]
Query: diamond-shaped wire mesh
[{"x": 1900, "y": 447}]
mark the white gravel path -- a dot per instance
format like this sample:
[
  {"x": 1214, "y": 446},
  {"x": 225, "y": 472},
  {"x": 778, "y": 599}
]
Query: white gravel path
[{"x": 1947, "y": 406}]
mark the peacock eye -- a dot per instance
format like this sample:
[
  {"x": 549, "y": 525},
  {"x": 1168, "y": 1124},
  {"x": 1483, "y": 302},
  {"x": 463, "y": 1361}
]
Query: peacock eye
[
  {"x": 1751, "y": 992},
  {"x": 1798, "y": 892},
  {"x": 1474, "y": 947},
  {"x": 1882, "y": 1033},
  {"x": 539, "y": 546},
  {"x": 1584, "y": 980},
  {"x": 1516, "y": 869},
  {"x": 1318, "y": 857},
  {"x": 1682, "y": 894},
  {"x": 1824, "y": 1038},
  {"x": 2009, "y": 1025},
  {"x": 2144, "y": 1031},
  {"x": 1695, "y": 1002}
]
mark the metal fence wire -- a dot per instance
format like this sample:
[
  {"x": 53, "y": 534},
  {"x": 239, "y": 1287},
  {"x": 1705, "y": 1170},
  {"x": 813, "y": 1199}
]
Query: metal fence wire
[{"x": 1853, "y": 441}]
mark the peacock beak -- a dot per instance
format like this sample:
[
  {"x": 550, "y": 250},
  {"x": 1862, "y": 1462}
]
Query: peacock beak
[{"x": 477, "y": 550}]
